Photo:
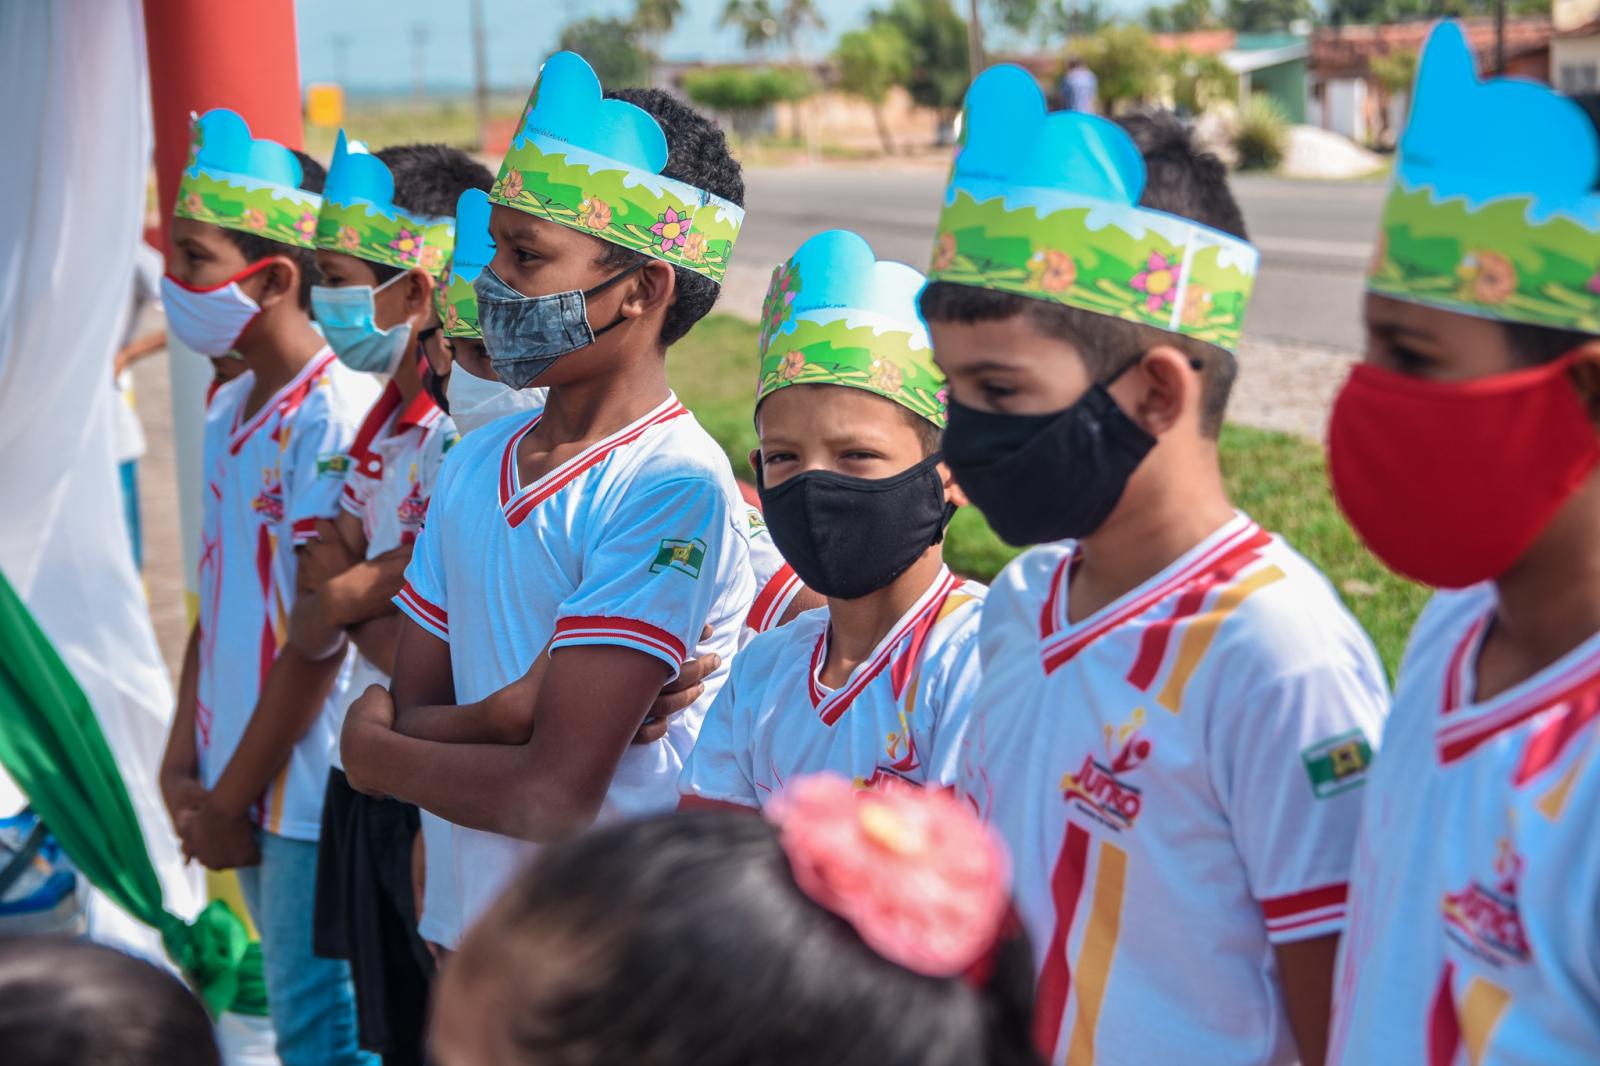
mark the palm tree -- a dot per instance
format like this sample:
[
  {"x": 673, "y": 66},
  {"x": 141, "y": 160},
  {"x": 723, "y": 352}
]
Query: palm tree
[{"x": 765, "y": 23}]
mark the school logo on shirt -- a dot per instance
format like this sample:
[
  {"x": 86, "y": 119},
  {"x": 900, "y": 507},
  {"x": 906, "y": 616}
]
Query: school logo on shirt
[
  {"x": 332, "y": 463},
  {"x": 684, "y": 556},
  {"x": 1099, "y": 788},
  {"x": 1338, "y": 764},
  {"x": 757, "y": 521},
  {"x": 411, "y": 512},
  {"x": 1485, "y": 919},
  {"x": 269, "y": 501}
]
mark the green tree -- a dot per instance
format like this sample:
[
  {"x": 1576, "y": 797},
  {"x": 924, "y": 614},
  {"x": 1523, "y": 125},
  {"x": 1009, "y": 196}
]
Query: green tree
[
  {"x": 1199, "y": 81},
  {"x": 654, "y": 19},
  {"x": 612, "y": 47},
  {"x": 872, "y": 61},
  {"x": 744, "y": 94},
  {"x": 1264, "y": 16},
  {"x": 768, "y": 23},
  {"x": 1184, "y": 16},
  {"x": 938, "y": 39},
  {"x": 1125, "y": 61},
  {"x": 1073, "y": 18}
]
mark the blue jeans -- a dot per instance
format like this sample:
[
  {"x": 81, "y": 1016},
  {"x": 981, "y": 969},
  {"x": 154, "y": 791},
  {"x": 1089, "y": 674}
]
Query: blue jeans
[{"x": 312, "y": 1000}]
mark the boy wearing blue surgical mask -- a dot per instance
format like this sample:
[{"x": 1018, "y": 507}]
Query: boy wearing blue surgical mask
[
  {"x": 274, "y": 459},
  {"x": 572, "y": 558}
]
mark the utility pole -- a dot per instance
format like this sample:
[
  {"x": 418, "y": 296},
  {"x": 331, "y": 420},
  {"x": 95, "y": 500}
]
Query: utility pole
[
  {"x": 1500, "y": 37},
  {"x": 480, "y": 73},
  {"x": 419, "y": 41},
  {"x": 341, "y": 58},
  {"x": 975, "y": 58}
]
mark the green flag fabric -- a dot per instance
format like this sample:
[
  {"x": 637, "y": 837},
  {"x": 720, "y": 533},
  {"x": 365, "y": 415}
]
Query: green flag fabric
[{"x": 52, "y": 746}]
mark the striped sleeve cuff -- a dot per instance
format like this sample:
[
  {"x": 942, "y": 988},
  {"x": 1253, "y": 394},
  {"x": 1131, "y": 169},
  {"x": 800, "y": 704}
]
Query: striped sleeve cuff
[
  {"x": 349, "y": 503},
  {"x": 623, "y": 632},
  {"x": 304, "y": 529},
  {"x": 1305, "y": 915},
  {"x": 774, "y": 599},
  {"x": 429, "y": 616}
]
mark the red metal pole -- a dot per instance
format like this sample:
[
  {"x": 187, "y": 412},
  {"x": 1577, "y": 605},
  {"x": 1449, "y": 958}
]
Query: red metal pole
[{"x": 205, "y": 54}]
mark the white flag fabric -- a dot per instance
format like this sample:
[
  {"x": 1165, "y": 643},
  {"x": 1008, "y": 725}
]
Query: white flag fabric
[{"x": 74, "y": 159}]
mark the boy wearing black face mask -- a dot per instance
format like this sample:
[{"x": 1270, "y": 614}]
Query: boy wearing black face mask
[
  {"x": 275, "y": 446},
  {"x": 1176, "y": 711},
  {"x": 849, "y": 411},
  {"x": 1464, "y": 451},
  {"x": 573, "y": 558}
]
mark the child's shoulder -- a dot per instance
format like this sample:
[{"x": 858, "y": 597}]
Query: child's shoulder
[
  {"x": 769, "y": 652},
  {"x": 339, "y": 395},
  {"x": 681, "y": 448},
  {"x": 1018, "y": 592}
]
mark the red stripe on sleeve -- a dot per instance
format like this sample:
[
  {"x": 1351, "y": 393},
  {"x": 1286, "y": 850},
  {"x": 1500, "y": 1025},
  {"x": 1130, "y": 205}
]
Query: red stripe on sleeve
[
  {"x": 621, "y": 631},
  {"x": 1300, "y": 902}
]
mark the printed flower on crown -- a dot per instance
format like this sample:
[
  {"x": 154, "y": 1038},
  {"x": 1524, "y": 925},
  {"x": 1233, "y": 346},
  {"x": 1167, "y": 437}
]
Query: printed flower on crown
[
  {"x": 942, "y": 397},
  {"x": 193, "y": 204},
  {"x": 672, "y": 228},
  {"x": 452, "y": 318},
  {"x": 594, "y": 213},
  {"x": 1196, "y": 306},
  {"x": 348, "y": 238},
  {"x": 254, "y": 217},
  {"x": 779, "y": 301},
  {"x": 944, "y": 253},
  {"x": 1594, "y": 284},
  {"x": 306, "y": 225},
  {"x": 1487, "y": 277},
  {"x": 1158, "y": 282},
  {"x": 794, "y": 363},
  {"x": 511, "y": 185},
  {"x": 407, "y": 247},
  {"x": 1052, "y": 270},
  {"x": 694, "y": 246},
  {"x": 885, "y": 376},
  {"x": 430, "y": 259}
]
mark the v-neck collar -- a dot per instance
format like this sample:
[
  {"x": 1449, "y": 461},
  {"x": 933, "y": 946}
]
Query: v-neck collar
[
  {"x": 285, "y": 399},
  {"x": 1063, "y": 639},
  {"x": 830, "y": 704},
  {"x": 517, "y": 500},
  {"x": 1463, "y": 724}
]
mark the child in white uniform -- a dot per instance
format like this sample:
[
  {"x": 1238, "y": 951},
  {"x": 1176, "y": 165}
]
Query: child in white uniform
[
  {"x": 1176, "y": 711},
  {"x": 1464, "y": 452},
  {"x": 849, "y": 409}
]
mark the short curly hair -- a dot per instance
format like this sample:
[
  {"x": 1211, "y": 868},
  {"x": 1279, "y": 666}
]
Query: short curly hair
[
  {"x": 697, "y": 153},
  {"x": 256, "y": 247}
]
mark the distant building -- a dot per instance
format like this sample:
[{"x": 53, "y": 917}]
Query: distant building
[
  {"x": 1575, "y": 51},
  {"x": 1347, "y": 98}
]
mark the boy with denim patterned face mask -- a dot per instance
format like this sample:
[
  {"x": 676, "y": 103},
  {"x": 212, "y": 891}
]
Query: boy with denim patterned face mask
[
  {"x": 246, "y": 761},
  {"x": 1176, "y": 712},
  {"x": 573, "y": 559}
]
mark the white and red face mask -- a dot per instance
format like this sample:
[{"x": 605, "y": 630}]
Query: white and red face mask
[{"x": 210, "y": 320}]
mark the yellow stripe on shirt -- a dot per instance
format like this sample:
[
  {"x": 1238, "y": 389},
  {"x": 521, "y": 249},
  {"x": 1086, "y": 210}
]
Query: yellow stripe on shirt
[
  {"x": 1199, "y": 633},
  {"x": 1094, "y": 957}
]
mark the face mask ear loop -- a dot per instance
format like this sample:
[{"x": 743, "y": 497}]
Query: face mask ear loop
[{"x": 606, "y": 284}]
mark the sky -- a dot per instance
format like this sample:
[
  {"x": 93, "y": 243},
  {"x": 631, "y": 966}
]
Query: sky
[{"x": 378, "y": 53}]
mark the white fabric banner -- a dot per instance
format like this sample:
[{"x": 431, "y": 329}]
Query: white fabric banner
[{"x": 72, "y": 201}]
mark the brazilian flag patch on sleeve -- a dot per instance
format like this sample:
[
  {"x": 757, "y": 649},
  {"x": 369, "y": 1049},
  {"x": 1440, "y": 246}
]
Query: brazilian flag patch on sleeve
[
  {"x": 684, "y": 556},
  {"x": 1338, "y": 764},
  {"x": 332, "y": 463}
]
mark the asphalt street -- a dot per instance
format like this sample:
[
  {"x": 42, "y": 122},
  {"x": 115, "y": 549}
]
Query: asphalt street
[{"x": 1315, "y": 237}]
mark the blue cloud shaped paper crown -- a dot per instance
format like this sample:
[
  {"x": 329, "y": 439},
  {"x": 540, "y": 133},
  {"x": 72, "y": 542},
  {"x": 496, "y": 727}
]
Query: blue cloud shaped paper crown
[
  {"x": 359, "y": 216},
  {"x": 1045, "y": 205},
  {"x": 1493, "y": 211},
  {"x": 837, "y": 315},
  {"x": 244, "y": 183},
  {"x": 594, "y": 165},
  {"x": 454, "y": 297}
]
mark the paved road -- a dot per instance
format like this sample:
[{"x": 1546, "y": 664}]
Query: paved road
[{"x": 1315, "y": 238}]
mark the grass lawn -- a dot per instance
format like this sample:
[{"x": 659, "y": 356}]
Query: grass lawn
[{"x": 1277, "y": 478}]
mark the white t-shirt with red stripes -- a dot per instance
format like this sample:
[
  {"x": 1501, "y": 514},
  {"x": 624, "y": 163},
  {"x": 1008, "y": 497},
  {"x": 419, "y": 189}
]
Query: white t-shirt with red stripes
[
  {"x": 776, "y": 582},
  {"x": 1177, "y": 777},
  {"x": 638, "y": 542},
  {"x": 267, "y": 480},
  {"x": 1475, "y": 898},
  {"x": 393, "y": 465},
  {"x": 775, "y": 719}
]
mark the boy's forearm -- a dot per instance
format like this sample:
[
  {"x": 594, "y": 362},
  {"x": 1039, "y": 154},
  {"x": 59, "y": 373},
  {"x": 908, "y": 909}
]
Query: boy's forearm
[
  {"x": 291, "y": 698},
  {"x": 313, "y": 631},
  {"x": 366, "y": 590},
  {"x": 181, "y": 755},
  {"x": 473, "y": 723},
  {"x": 378, "y": 638}
]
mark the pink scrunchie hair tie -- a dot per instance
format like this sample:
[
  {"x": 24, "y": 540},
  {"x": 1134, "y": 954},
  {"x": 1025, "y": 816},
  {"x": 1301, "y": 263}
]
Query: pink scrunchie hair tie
[{"x": 914, "y": 872}]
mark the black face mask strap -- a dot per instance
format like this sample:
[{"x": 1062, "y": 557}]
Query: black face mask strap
[
  {"x": 606, "y": 284},
  {"x": 1194, "y": 364}
]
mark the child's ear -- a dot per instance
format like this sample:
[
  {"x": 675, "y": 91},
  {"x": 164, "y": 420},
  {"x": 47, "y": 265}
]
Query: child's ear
[
  {"x": 1159, "y": 389},
  {"x": 418, "y": 293},
  {"x": 652, "y": 288},
  {"x": 280, "y": 280},
  {"x": 952, "y": 491}
]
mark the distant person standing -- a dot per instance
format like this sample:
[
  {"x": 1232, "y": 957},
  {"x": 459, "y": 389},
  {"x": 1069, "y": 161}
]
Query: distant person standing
[{"x": 1080, "y": 89}]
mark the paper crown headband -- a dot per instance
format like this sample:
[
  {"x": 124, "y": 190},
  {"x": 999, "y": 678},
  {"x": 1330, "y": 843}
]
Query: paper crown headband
[
  {"x": 1045, "y": 205},
  {"x": 454, "y": 297},
  {"x": 359, "y": 216},
  {"x": 594, "y": 165},
  {"x": 244, "y": 183},
  {"x": 1493, "y": 211},
  {"x": 836, "y": 315}
]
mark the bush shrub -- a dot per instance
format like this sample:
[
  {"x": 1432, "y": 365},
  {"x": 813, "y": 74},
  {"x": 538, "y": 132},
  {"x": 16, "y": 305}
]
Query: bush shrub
[{"x": 1261, "y": 140}]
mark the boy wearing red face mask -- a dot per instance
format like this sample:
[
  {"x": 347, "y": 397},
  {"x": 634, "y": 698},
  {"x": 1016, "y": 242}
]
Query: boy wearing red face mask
[
  {"x": 1464, "y": 452},
  {"x": 238, "y": 286}
]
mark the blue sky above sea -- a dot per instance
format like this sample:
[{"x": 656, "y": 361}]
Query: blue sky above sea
[{"x": 377, "y": 54}]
